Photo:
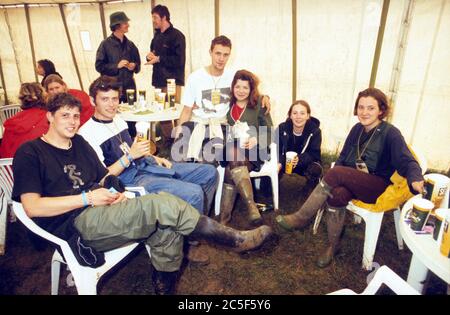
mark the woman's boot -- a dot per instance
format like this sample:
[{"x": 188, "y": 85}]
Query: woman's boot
[
  {"x": 303, "y": 216},
  {"x": 241, "y": 179},
  {"x": 229, "y": 193},
  {"x": 335, "y": 223},
  {"x": 240, "y": 241}
]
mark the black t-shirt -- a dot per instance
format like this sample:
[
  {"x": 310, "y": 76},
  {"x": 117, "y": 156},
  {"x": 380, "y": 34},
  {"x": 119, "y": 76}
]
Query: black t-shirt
[
  {"x": 295, "y": 143},
  {"x": 41, "y": 168}
]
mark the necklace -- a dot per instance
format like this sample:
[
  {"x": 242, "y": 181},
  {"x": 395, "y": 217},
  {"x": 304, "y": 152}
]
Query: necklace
[
  {"x": 48, "y": 141},
  {"x": 115, "y": 134},
  {"x": 243, "y": 110},
  {"x": 359, "y": 154},
  {"x": 215, "y": 82}
]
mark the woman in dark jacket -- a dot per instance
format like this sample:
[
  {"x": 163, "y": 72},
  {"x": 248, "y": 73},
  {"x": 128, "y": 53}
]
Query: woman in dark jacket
[
  {"x": 248, "y": 139},
  {"x": 300, "y": 133},
  {"x": 44, "y": 68},
  {"x": 373, "y": 151}
]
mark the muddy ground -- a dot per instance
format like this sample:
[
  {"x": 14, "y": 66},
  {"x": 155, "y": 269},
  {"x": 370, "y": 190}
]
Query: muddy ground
[{"x": 285, "y": 266}]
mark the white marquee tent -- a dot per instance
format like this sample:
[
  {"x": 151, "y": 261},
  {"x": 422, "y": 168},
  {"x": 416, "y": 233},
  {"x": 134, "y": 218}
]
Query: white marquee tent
[{"x": 323, "y": 51}]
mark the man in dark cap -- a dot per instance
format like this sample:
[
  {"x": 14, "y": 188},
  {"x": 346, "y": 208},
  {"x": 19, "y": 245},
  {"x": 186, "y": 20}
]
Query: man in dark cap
[{"x": 118, "y": 57}]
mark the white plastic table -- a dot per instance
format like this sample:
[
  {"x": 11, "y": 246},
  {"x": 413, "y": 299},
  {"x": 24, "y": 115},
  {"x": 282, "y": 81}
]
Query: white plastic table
[
  {"x": 426, "y": 255},
  {"x": 172, "y": 113}
]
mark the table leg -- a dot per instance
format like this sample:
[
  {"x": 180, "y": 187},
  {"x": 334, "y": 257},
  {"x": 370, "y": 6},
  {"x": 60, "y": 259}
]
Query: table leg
[{"x": 417, "y": 274}]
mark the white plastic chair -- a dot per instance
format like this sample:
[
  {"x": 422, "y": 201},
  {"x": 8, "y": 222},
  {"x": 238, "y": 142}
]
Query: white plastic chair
[
  {"x": 8, "y": 111},
  {"x": 269, "y": 168},
  {"x": 384, "y": 275},
  {"x": 373, "y": 222},
  {"x": 85, "y": 278},
  {"x": 6, "y": 184}
]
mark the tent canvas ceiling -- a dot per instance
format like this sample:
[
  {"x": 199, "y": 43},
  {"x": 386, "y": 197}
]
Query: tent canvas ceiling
[{"x": 324, "y": 55}]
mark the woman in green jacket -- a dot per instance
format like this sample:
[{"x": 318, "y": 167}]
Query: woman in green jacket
[{"x": 247, "y": 144}]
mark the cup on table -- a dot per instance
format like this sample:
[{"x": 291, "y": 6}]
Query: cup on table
[
  {"x": 130, "y": 96},
  {"x": 419, "y": 213},
  {"x": 142, "y": 129},
  {"x": 436, "y": 185},
  {"x": 445, "y": 244},
  {"x": 290, "y": 156},
  {"x": 162, "y": 99},
  {"x": 439, "y": 217},
  {"x": 142, "y": 95}
]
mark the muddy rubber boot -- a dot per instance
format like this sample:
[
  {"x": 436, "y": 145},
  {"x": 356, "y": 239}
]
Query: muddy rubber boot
[
  {"x": 335, "y": 223},
  {"x": 241, "y": 179},
  {"x": 197, "y": 255},
  {"x": 164, "y": 282},
  {"x": 240, "y": 241},
  {"x": 229, "y": 193},
  {"x": 303, "y": 216}
]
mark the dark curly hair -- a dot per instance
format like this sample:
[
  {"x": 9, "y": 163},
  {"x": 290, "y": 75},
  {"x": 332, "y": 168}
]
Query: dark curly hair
[{"x": 253, "y": 82}]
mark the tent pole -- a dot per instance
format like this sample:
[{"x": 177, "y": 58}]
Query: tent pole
[
  {"x": 13, "y": 44},
  {"x": 63, "y": 16},
  {"x": 376, "y": 56},
  {"x": 216, "y": 18},
  {"x": 30, "y": 36},
  {"x": 3, "y": 82},
  {"x": 294, "y": 50},
  {"x": 102, "y": 19}
]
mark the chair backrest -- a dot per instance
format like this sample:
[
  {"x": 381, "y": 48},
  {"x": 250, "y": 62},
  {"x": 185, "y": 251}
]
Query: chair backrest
[
  {"x": 384, "y": 275},
  {"x": 8, "y": 111},
  {"x": 6, "y": 177}
]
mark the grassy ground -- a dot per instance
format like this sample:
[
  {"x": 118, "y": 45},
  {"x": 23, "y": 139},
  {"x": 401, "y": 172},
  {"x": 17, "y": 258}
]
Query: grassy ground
[{"x": 284, "y": 266}]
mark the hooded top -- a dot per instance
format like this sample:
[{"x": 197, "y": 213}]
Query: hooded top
[
  {"x": 26, "y": 125},
  {"x": 307, "y": 145}
]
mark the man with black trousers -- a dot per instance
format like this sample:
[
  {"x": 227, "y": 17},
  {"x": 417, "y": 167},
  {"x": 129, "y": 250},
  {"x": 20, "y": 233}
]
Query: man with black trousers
[{"x": 168, "y": 57}]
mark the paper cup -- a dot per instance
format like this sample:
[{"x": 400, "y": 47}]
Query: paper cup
[
  {"x": 439, "y": 217},
  {"x": 419, "y": 213},
  {"x": 445, "y": 244},
  {"x": 142, "y": 128},
  {"x": 290, "y": 155},
  {"x": 436, "y": 186}
]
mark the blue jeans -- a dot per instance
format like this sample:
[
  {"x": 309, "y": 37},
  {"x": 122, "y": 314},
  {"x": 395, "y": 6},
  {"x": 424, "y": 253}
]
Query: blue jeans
[{"x": 192, "y": 183}]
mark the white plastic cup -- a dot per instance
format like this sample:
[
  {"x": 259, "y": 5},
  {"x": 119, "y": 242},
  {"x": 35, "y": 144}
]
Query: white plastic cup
[
  {"x": 290, "y": 155},
  {"x": 436, "y": 186},
  {"x": 142, "y": 128},
  {"x": 419, "y": 213},
  {"x": 243, "y": 141}
]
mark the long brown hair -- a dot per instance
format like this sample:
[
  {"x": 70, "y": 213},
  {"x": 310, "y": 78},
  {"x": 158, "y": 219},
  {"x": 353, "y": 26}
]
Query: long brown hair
[
  {"x": 253, "y": 82},
  {"x": 32, "y": 95}
]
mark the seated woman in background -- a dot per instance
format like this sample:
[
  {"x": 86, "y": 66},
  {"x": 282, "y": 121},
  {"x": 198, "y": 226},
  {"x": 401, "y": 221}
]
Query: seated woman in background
[
  {"x": 53, "y": 84},
  {"x": 28, "y": 124},
  {"x": 373, "y": 151},
  {"x": 45, "y": 68},
  {"x": 246, "y": 146},
  {"x": 300, "y": 133}
]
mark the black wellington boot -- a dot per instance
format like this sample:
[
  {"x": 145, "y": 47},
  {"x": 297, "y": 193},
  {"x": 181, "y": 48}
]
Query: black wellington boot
[
  {"x": 335, "y": 224},
  {"x": 303, "y": 216},
  {"x": 240, "y": 241},
  {"x": 164, "y": 282}
]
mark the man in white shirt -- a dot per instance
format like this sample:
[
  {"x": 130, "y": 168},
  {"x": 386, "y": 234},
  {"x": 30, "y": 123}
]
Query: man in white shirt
[{"x": 206, "y": 100}]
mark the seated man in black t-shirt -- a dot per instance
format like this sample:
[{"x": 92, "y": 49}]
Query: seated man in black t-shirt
[{"x": 59, "y": 180}]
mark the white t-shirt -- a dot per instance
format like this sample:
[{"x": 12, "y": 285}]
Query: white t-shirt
[{"x": 199, "y": 89}]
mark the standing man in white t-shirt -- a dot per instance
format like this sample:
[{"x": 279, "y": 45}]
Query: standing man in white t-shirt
[{"x": 206, "y": 100}]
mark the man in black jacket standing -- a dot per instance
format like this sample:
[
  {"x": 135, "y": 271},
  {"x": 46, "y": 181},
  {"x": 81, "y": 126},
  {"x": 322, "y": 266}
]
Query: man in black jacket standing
[
  {"x": 167, "y": 55},
  {"x": 117, "y": 56}
]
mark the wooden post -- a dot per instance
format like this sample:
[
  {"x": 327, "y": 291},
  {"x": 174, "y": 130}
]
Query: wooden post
[
  {"x": 3, "y": 82},
  {"x": 30, "y": 36},
  {"x": 376, "y": 57},
  {"x": 63, "y": 16},
  {"x": 102, "y": 19},
  {"x": 216, "y": 18},
  {"x": 294, "y": 50}
]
